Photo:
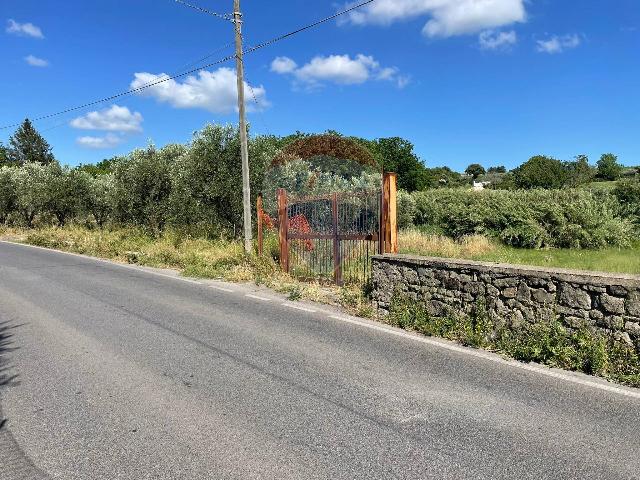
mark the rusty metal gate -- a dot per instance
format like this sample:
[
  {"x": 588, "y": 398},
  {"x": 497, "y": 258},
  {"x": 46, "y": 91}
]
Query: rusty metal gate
[{"x": 332, "y": 237}]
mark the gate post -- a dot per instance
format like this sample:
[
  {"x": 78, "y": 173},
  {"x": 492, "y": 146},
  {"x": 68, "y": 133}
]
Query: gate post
[
  {"x": 389, "y": 223},
  {"x": 283, "y": 227},
  {"x": 260, "y": 232},
  {"x": 337, "y": 261}
]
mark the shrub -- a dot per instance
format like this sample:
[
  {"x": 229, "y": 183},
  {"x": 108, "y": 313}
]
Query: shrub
[
  {"x": 608, "y": 167},
  {"x": 628, "y": 194},
  {"x": 528, "y": 219},
  {"x": 540, "y": 172}
]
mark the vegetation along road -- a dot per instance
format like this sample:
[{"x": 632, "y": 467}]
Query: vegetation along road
[{"x": 115, "y": 372}]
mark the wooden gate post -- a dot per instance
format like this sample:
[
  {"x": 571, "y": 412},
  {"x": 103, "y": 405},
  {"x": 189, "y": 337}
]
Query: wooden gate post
[
  {"x": 283, "y": 227},
  {"x": 389, "y": 223},
  {"x": 337, "y": 260},
  {"x": 260, "y": 232}
]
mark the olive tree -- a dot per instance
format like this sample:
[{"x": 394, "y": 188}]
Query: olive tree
[
  {"x": 67, "y": 192},
  {"x": 142, "y": 186},
  {"x": 7, "y": 193}
]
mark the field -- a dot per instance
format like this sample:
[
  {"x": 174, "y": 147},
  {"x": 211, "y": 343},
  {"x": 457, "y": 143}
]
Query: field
[{"x": 481, "y": 248}]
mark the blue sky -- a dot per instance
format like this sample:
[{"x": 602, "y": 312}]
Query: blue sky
[{"x": 488, "y": 81}]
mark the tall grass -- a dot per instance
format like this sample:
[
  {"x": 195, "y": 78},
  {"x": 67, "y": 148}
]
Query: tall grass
[{"x": 482, "y": 248}]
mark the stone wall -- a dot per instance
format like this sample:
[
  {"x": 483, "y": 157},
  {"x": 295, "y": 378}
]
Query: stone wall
[{"x": 512, "y": 293}]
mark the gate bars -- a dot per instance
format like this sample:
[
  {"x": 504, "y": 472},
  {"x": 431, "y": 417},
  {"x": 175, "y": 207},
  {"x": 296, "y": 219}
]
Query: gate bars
[{"x": 333, "y": 236}]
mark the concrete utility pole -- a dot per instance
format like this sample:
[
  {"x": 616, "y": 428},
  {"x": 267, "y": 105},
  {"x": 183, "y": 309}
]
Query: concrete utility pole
[{"x": 244, "y": 147}]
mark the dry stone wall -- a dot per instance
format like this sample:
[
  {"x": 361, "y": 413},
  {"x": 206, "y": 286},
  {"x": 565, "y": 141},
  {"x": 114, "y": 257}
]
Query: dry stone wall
[{"x": 511, "y": 293}]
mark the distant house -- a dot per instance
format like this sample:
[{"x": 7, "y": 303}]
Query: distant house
[{"x": 479, "y": 186}]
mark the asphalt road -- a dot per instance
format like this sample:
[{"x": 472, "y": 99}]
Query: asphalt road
[{"x": 109, "y": 372}]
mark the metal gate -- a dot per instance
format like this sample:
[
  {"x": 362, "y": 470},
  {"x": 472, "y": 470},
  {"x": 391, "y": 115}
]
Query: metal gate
[{"x": 332, "y": 237}]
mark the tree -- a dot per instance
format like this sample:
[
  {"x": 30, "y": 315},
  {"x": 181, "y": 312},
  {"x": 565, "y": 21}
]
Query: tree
[
  {"x": 4, "y": 156},
  {"x": 396, "y": 155},
  {"x": 68, "y": 192},
  {"x": 499, "y": 169},
  {"x": 579, "y": 172},
  {"x": 28, "y": 146},
  {"x": 608, "y": 167},
  {"x": 475, "y": 170},
  {"x": 540, "y": 172},
  {"x": 31, "y": 184},
  {"x": 7, "y": 193}
]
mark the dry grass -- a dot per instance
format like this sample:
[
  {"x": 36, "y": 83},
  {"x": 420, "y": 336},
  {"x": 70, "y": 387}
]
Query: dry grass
[
  {"x": 414, "y": 241},
  {"x": 193, "y": 257}
]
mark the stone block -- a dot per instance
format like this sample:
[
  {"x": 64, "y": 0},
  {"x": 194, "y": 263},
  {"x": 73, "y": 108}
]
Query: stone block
[
  {"x": 510, "y": 292},
  {"x": 633, "y": 304},
  {"x": 574, "y": 297},
  {"x": 542, "y": 296},
  {"x": 611, "y": 304}
]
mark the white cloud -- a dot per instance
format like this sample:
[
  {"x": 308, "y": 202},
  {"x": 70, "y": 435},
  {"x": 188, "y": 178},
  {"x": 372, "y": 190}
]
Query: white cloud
[
  {"x": 446, "y": 18},
  {"x": 558, "y": 44},
  {"x": 283, "y": 65},
  {"x": 215, "y": 91},
  {"x": 339, "y": 69},
  {"x": 23, "y": 29},
  {"x": 98, "y": 143},
  {"x": 113, "y": 119},
  {"x": 35, "y": 61},
  {"x": 492, "y": 40}
]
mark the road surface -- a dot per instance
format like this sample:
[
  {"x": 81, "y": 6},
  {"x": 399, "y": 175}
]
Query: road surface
[{"x": 112, "y": 372}]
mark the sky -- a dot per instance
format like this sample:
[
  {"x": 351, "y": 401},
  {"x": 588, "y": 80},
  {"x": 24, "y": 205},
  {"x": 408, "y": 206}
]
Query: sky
[{"x": 467, "y": 81}]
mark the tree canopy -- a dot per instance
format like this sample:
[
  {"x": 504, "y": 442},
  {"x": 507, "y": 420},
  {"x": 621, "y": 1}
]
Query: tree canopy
[
  {"x": 540, "y": 172},
  {"x": 608, "y": 167},
  {"x": 475, "y": 170},
  {"x": 28, "y": 146}
]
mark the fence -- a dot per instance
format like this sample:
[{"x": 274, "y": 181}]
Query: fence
[{"x": 333, "y": 237}]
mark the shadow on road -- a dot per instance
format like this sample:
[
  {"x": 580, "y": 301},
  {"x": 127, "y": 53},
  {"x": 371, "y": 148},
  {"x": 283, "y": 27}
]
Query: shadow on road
[{"x": 6, "y": 336}]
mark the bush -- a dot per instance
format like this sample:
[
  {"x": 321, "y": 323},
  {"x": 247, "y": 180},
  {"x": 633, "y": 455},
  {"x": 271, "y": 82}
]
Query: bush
[
  {"x": 548, "y": 342},
  {"x": 527, "y": 219},
  {"x": 540, "y": 172},
  {"x": 628, "y": 194}
]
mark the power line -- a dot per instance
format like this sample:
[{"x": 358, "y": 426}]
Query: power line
[
  {"x": 307, "y": 27},
  {"x": 222, "y": 16},
  {"x": 195, "y": 70},
  {"x": 158, "y": 77}
]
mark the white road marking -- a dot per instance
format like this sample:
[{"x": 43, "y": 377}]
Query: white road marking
[
  {"x": 222, "y": 289},
  {"x": 398, "y": 333},
  {"x": 298, "y": 307},
  {"x": 137, "y": 268},
  {"x": 493, "y": 358},
  {"x": 264, "y": 299}
]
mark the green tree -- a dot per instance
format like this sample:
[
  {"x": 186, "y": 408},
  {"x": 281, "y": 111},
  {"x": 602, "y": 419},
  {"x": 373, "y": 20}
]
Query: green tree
[
  {"x": 28, "y": 146},
  {"x": 475, "y": 170},
  {"x": 499, "y": 169},
  {"x": 540, "y": 172},
  {"x": 31, "y": 184},
  {"x": 7, "y": 193},
  {"x": 608, "y": 167},
  {"x": 68, "y": 192},
  {"x": 103, "y": 167},
  {"x": 579, "y": 172},
  {"x": 206, "y": 192},
  {"x": 143, "y": 185},
  {"x": 396, "y": 155},
  {"x": 101, "y": 198},
  {"x": 4, "y": 156}
]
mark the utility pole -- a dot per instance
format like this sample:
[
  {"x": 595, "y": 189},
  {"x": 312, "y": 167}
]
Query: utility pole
[{"x": 244, "y": 147}]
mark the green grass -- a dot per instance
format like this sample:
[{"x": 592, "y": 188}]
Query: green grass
[{"x": 616, "y": 260}]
